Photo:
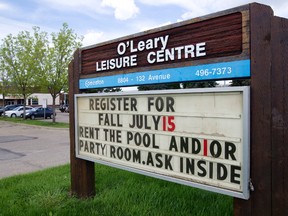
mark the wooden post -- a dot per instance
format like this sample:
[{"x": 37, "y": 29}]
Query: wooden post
[
  {"x": 279, "y": 130},
  {"x": 82, "y": 171},
  {"x": 269, "y": 118}
]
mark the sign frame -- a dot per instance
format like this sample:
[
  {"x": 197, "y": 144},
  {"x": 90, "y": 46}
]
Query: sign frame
[{"x": 244, "y": 194}]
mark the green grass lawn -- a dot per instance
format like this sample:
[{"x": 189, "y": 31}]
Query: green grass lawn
[
  {"x": 118, "y": 192},
  {"x": 36, "y": 122}
]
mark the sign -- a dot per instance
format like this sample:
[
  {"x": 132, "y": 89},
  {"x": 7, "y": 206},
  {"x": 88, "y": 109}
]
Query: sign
[
  {"x": 44, "y": 103},
  {"x": 224, "y": 70},
  {"x": 206, "y": 48},
  {"x": 193, "y": 137}
]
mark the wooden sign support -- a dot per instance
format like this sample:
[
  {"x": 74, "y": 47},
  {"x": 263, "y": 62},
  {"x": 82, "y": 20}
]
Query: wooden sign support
[
  {"x": 269, "y": 115},
  {"x": 82, "y": 171},
  {"x": 269, "y": 118}
]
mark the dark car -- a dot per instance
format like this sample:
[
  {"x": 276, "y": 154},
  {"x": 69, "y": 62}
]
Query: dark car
[
  {"x": 39, "y": 112},
  {"x": 9, "y": 107}
]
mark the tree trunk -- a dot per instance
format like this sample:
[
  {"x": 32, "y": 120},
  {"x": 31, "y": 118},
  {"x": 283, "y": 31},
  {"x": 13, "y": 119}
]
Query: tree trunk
[
  {"x": 24, "y": 106},
  {"x": 3, "y": 104},
  {"x": 53, "y": 107}
]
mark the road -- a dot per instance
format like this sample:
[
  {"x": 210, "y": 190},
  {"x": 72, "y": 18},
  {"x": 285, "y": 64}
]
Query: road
[{"x": 25, "y": 148}]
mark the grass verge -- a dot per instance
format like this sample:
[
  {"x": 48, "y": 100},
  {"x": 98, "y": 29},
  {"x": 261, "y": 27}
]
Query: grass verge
[
  {"x": 36, "y": 122},
  {"x": 118, "y": 193}
]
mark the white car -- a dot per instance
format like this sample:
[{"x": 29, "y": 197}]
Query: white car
[{"x": 17, "y": 112}]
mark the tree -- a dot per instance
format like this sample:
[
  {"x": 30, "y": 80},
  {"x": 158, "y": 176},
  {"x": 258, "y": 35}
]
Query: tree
[
  {"x": 204, "y": 84},
  {"x": 23, "y": 56},
  {"x": 103, "y": 90},
  {"x": 240, "y": 82},
  {"x": 4, "y": 80},
  {"x": 60, "y": 53},
  {"x": 161, "y": 86}
]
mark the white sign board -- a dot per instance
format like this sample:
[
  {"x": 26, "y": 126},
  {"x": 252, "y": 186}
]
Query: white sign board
[
  {"x": 194, "y": 137},
  {"x": 44, "y": 103}
]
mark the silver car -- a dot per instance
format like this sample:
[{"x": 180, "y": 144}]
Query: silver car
[{"x": 17, "y": 112}]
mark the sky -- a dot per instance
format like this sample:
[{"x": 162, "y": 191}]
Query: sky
[{"x": 103, "y": 20}]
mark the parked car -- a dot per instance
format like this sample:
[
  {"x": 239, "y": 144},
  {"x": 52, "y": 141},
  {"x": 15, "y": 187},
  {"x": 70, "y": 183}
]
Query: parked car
[
  {"x": 38, "y": 112},
  {"x": 9, "y": 107},
  {"x": 17, "y": 112},
  {"x": 64, "y": 108}
]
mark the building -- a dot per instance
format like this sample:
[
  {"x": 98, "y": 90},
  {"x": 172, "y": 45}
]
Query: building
[{"x": 35, "y": 99}]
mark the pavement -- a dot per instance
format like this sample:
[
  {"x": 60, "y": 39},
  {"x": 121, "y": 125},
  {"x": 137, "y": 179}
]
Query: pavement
[{"x": 25, "y": 148}]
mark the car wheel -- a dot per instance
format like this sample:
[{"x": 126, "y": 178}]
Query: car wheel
[
  {"x": 32, "y": 117},
  {"x": 51, "y": 116},
  {"x": 21, "y": 115},
  {"x": 13, "y": 115}
]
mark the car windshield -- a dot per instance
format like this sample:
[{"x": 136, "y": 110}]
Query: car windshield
[{"x": 16, "y": 108}]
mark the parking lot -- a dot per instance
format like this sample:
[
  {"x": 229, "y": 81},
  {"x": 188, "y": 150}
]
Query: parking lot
[
  {"x": 25, "y": 148},
  {"x": 60, "y": 117}
]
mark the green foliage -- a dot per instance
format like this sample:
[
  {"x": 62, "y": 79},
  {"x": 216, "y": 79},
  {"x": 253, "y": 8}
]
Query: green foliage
[
  {"x": 117, "y": 193},
  {"x": 103, "y": 90},
  {"x": 205, "y": 84},
  {"x": 159, "y": 86},
  {"x": 30, "y": 63},
  {"x": 22, "y": 57},
  {"x": 58, "y": 56},
  {"x": 4, "y": 79},
  {"x": 54, "y": 75},
  {"x": 241, "y": 82}
]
